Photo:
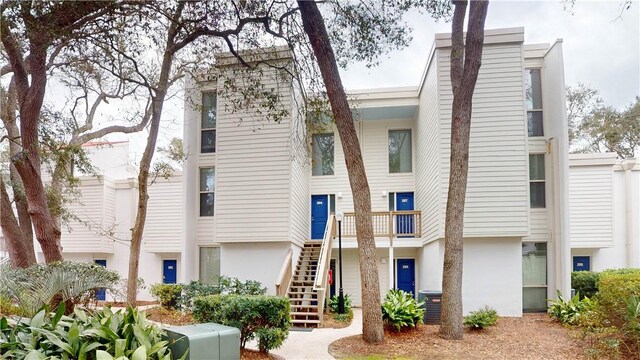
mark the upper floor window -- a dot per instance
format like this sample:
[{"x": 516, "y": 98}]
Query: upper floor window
[
  {"x": 536, "y": 181},
  {"x": 207, "y": 188},
  {"x": 208, "y": 123},
  {"x": 533, "y": 86},
  {"x": 400, "y": 151},
  {"x": 322, "y": 157}
]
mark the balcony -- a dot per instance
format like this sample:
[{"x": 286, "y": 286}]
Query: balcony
[{"x": 391, "y": 224}]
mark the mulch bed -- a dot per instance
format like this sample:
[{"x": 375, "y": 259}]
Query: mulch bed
[
  {"x": 124, "y": 304},
  {"x": 329, "y": 322},
  {"x": 247, "y": 354},
  {"x": 533, "y": 336},
  {"x": 169, "y": 317}
]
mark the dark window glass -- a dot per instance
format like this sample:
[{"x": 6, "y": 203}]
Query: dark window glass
[
  {"x": 206, "y": 204},
  {"x": 392, "y": 201},
  {"x": 537, "y": 194},
  {"x": 536, "y": 181},
  {"x": 207, "y": 188},
  {"x": 536, "y": 167},
  {"x": 208, "y": 141},
  {"x": 209, "y": 264},
  {"x": 399, "y": 151},
  {"x": 322, "y": 157},
  {"x": 332, "y": 203},
  {"x": 534, "y": 276},
  {"x": 534, "y": 123},
  {"x": 209, "y": 110}
]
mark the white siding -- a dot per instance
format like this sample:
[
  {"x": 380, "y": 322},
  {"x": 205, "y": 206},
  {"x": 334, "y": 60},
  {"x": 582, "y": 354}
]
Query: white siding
[
  {"x": 497, "y": 202},
  {"x": 428, "y": 194},
  {"x": 163, "y": 228},
  {"x": 253, "y": 170},
  {"x": 94, "y": 209},
  {"x": 539, "y": 226},
  {"x": 591, "y": 206},
  {"x": 300, "y": 177}
]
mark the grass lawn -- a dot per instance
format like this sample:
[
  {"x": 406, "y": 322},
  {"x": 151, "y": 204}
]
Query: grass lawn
[{"x": 533, "y": 336}]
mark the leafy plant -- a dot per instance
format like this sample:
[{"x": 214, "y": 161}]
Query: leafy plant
[
  {"x": 585, "y": 283},
  {"x": 66, "y": 281},
  {"x": 103, "y": 335},
  {"x": 616, "y": 286},
  {"x": 568, "y": 311},
  {"x": 169, "y": 295},
  {"x": 344, "y": 318},
  {"x": 481, "y": 319},
  {"x": 401, "y": 310},
  {"x": 334, "y": 302},
  {"x": 233, "y": 286},
  {"x": 195, "y": 289},
  {"x": 264, "y": 317}
]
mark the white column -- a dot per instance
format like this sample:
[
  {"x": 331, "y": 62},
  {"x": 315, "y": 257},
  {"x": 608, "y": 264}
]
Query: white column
[{"x": 391, "y": 262}]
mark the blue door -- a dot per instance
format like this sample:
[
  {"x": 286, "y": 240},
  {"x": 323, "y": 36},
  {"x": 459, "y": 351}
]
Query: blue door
[
  {"x": 581, "y": 263},
  {"x": 169, "y": 271},
  {"x": 101, "y": 294},
  {"x": 319, "y": 215},
  {"x": 406, "y": 276},
  {"x": 404, "y": 223}
]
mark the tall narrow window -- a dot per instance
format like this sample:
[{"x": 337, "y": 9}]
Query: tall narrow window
[
  {"x": 534, "y": 276},
  {"x": 207, "y": 188},
  {"x": 533, "y": 86},
  {"x": 209, "y": 264},
  {"x": 208, "y": 123},
  {"x": 400, "y": 151},
  {"x": 536, "y": 181},
  {"x": 322, "y": 157}
]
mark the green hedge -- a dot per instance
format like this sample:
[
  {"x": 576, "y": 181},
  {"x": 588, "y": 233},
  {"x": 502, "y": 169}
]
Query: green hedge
[
  {"x": 585, "y": 283},
  {"x": 615, "y": 287},
  {"x": 264, "y": 317},
  {"x": 169, "y": 295}
]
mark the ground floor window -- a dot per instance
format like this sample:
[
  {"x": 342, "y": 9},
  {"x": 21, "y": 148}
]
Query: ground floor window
[
  {"x": 534, "y": 276},
  {"x": 209, "y": 264}
]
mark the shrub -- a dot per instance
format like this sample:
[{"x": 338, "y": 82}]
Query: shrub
[
  {"x": 615, "y": 286},
  {"x": 233, "y": 286},
  {"x": 568, "y": 311},
  {"x": 169, "y": 295},
  {"x": 481, "y": 319},
  {"x": 334, "y": 302},
  {"x": 585, "y": 283},
  {"x": 266, "y": 317},
  {"x": 104, "y": 335},
  {"x": 195, "y": 289},
  {"x": 119, "y": 291},
  {"x": 65, "y": 281},
  {"x": 401, "y": 310},
  {"x": 344, "y": 318}
]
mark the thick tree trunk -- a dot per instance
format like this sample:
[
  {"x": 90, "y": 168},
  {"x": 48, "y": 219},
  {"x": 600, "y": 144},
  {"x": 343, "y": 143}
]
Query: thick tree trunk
[
  {"x": 13, "y": 235},
  {"x": 372, "y": 327},
  {"x": 463, "y": 80},
  {"x": 147, "y": 156}
]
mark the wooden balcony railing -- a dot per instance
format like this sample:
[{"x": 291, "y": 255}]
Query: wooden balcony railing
[
  {"x": 286, "y": 272},
  {"x": 391, "y": 224}
]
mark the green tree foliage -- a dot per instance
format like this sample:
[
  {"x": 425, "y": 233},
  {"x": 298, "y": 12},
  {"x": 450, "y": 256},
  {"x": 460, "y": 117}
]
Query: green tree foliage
[{"x": 597, "y": 127}]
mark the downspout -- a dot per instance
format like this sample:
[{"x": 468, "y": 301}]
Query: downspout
[{"x": 626, "y": 166}]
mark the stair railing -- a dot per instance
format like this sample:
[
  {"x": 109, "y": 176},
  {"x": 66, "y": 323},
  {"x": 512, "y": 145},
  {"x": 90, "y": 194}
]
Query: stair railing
[
  {"x": 286, "y": 274},
  {"x": 322, "y": 272}
]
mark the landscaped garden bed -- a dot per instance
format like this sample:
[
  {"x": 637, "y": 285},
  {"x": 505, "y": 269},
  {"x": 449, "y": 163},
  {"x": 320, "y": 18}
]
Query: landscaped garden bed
[{"x": 534, "y": 336}]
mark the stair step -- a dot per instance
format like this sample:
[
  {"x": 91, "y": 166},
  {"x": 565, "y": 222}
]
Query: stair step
[
  {"x": 304, "y": 314},
  {"x": 296, "y": 307},
  {"x": 303, "y": 321}
]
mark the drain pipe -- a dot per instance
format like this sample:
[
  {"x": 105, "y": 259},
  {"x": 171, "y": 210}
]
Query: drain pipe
[{"x": 627, "y": 165}]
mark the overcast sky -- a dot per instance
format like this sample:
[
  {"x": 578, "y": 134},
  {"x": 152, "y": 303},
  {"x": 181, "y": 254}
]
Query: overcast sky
[{"x": 600, "y": 49}]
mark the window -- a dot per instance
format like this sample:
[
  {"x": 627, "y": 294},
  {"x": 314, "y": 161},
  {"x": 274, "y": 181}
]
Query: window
[
  {"x": 209, "y": 264},
  {"x": 207, "y": 188},
  {"x": 533, "y": 86},
  {"x": 208, "y": 123},
  {"x": 322, "y": 157},
  {"x": 534, "y": 276},
  {"x": 400, "y": 151},
  {"x": 536, "y": 181}
]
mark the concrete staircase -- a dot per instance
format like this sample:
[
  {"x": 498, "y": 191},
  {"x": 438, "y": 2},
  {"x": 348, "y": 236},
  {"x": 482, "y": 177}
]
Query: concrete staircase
[{"x": 304, "y": 300}]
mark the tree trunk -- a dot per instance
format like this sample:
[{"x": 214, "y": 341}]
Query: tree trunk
[
  {"x": 372, "y": 327},
  {"x": 145, "y": 163},
  {"x": 13, "y": 235},
  {"x": 465, "y": 65}
]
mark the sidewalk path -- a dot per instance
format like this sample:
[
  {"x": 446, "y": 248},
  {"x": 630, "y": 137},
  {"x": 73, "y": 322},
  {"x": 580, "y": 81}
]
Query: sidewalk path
[{"x": 315, "y": 344}]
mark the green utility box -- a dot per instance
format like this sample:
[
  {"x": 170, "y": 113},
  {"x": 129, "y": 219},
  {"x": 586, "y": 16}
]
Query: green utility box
[{"x": 204, "y": 342}]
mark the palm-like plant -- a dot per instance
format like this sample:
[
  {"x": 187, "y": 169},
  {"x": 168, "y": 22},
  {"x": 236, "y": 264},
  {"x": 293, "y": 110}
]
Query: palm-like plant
[{"x": 69, "y": 282}]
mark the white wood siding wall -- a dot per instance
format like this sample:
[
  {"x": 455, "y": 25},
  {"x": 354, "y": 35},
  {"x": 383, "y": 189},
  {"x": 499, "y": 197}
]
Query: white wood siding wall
[
  {"x": 300, "y": 213},
  {"x": 163, "y": 228},
  {"x": 497, "y": 202},
  {"x": 253, "y": 170},
  {"x": 95, "y": 210},
  {"x": 428, "y": 193},
  {"x": 591, "y": 206},
  {"x": 374, "y": 143}
]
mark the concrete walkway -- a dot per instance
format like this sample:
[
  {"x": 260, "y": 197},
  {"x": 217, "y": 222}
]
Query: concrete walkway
[{"x": 315, "y": 344}]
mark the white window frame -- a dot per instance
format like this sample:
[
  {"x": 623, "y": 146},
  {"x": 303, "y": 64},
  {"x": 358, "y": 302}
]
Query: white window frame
[
  {"x": 544, "y": 181},
  {"x": 200, "y": 192},
  {"x": 334, "y": 153},
  {"x": 539, "y": 110},
  {"x": 200, "y": 259},
  {"x": 202, "y": 130},
  {"x": 413, "y": 165}
]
